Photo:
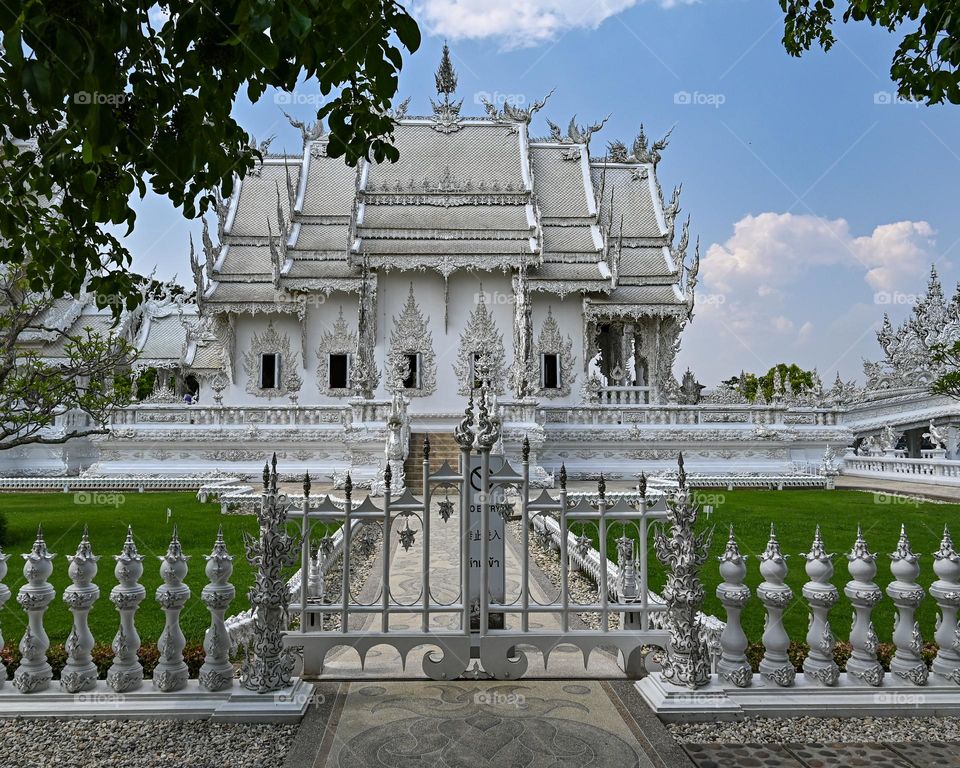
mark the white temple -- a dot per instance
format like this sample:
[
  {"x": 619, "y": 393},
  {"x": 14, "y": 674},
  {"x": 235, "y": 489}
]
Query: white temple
[{"x": 335, "y": 301}]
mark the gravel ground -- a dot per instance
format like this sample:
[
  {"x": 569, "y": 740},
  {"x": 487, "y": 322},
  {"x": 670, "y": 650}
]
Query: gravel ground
[
  {"x": 582, "y": 589},
  {"x": 142, "y": 744},
  {"x": 807, "y": 730}
]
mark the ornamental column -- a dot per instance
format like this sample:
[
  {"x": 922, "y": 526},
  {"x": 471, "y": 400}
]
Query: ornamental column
[
  {"x": 733, "y": 594},
  {"x": 34, "y": 673},
  {"x": 907, "y": 664},
  {"x": 776, "y": 596},
  {"x": 821, "y": 596},
  {"x": 80, "y": 673},
  {"x": 946, "y": 591},
  {"x": 863, "y": 593},
  {"x": 216, "y": 674},
  {"x": 171, "y": 673}
]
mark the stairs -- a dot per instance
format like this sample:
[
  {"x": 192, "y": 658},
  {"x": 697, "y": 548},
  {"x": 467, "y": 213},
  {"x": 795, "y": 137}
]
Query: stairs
[{"x": 443, "y": 447}]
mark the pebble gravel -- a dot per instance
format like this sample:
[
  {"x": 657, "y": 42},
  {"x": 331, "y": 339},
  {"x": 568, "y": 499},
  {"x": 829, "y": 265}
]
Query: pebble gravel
[
  {"x": 823, "y": 730},
  {"x": 142, "y": 744}
]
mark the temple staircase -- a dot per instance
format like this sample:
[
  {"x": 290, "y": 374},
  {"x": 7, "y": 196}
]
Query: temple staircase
[{"x": 443, "y": 447}]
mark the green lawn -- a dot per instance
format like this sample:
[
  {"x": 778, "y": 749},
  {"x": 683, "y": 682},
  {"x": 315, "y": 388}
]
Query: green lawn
[
  {"x": 63, "y": 520},
  {"x": 796, "y": 514}
]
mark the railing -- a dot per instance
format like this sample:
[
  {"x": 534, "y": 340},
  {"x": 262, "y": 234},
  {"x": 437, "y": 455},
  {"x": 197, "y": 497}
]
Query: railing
[
  {"x": 702, "y": 415},
  {"x": 624, "y": 395},
  {"x": 938, "y": 471},
  {"x": 137, "y": 484},
  {"x": 231, "y": 416}
]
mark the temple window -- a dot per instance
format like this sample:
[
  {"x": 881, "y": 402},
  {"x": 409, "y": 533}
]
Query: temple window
[
  {"x": 339, "y": 371},
  {"x": 549, "y": 371},
  {"x": 269, "y": 370},
  {"x": 412, "y": 378}
]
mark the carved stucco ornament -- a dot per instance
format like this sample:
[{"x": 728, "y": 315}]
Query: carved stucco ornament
[
  {"x": 272, "y": 342},
  {"x": 411, "y": 335},
  {"x": 481, "y": 337},
  {"x": 339, "y": 341},
  {"x": 550, "y": 341}
]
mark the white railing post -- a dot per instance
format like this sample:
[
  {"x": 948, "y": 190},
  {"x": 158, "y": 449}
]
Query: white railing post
[
  {"x": 907, "y": 663},
  {"x": 80, "y": 673},
  {"x": 821, "y": 596},
  {"x": 946, "y": 591},
  {"x": 863, "y": 594},
  {"x": 126, "y": 672},
  {"x": 171, "y": 673},
  {"x": 216, "y": 674},
  {"x": 34, "y": 673},
  {"x": 775, "y": 596},
  {"x": 733, "y": 594},
  {"x": 4, "y": 596}
]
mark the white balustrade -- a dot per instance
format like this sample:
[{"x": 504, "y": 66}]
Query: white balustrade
[
  {"x": 4, "y": 596},
  {"x": 821, "y": 596},
  {"x": 863, "y": 593},
  {"x": 126, "y": 672},
  {"x": 946, "y": 592},
  {"x": 34, "y": 673},
  {"x": 171, "y": 673},
  {"x": 925, "y": 470},
  {"x": 906, "y": 594},
  {"x": 775, "y": 596},
  {"x": 733, "y": 593},
  {"x": 216, "y": 674},
  {"x": 80, "y": 673}
]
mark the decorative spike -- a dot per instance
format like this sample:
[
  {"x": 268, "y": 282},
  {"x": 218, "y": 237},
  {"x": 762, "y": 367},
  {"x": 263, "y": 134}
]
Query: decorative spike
[
  {"x": 602, "y": 487},
  {"x": 306, "y": 484},
  {"x": 903, "y": 550},
  {"x": 860, "y": 549},
  {"x": 732, "y": 551},
  {"x": 426, "y": 447},
  {"x": 563, "y": 477},
  {"x": 266, "y": 475},
  {"x": 387, "y": 475},
  {"x": 681, "y": 473},
  {"x": 348, "y": 486},
  {"x": 642, "y": 486},
  {"x": 525, "y": 450},
  {"x": 772, "y": 552},
  {"x": 817, "y": 549}
]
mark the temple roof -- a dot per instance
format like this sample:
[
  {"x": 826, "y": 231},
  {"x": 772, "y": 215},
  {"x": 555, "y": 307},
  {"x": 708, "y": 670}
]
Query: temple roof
[{"x": 467, "y": 193}]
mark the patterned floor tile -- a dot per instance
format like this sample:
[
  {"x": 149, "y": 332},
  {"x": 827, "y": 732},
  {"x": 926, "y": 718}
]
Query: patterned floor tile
[
  {"x": 741, "y": 756},
  {"x": 930, "y": 753},
  {"x": 847, "y": 756}
]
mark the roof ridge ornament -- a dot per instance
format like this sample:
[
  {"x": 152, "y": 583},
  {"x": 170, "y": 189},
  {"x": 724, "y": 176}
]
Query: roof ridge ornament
[
  {"x": 515, "y": 113},
  {"x": 446, "y": 113},
  {"x": 576, "y": 134}
]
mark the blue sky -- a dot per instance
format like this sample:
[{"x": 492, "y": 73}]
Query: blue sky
[{"x": 819, "y": 201}]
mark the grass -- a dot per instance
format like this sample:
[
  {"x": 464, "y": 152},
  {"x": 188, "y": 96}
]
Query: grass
[
  {"x": 796, "y": 514},
  {"x": 107, "y": 517}
]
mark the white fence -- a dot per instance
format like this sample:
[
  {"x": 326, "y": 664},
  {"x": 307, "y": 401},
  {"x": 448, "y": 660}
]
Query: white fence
[{"x": 934, "y": 471}]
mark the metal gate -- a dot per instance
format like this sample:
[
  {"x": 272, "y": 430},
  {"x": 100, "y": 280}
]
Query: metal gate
[{"x": 488, "y": 617}]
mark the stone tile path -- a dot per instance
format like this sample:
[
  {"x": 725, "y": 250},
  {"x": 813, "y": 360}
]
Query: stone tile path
[{"x": 893, "y": 755}]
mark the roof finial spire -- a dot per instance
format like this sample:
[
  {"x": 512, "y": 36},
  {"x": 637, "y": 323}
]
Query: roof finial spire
[{"x": 446, "y": 76}]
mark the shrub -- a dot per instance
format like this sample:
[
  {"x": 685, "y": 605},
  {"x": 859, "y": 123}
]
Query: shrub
[
  {"x": 3, "y": 530},
  {"x": 102, "y": 655}
]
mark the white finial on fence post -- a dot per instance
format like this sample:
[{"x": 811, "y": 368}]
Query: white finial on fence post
[
  {"x": 80, "y": 673},
  {"x": 907, "y": 663},
  {"x": 733, "y": 594},
  {"x": 821, "y": 596},
  {"x": 126, "y": 672},
  {"x": 775, "y": 595},
  {"x": 946, "y": 591},
  {"x": 4, "y": 596},
  {"x": 34, "y": 673},
  {"x": 863, "y": 594},
  {"x": 216, "y": 674},
  {"x": 171, "y": 673}
]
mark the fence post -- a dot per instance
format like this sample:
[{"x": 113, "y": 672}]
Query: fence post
[
  {"x": 821, "y": 596},
  {"x": 80, "y": 673},
  {"x": 4, "y": 596},
  {"x": 216, "y": 674},
  {"x": 270, "y": 666},
  {"x": 863, "y": 594},
  {"x": 733, "y": 594},
  {"x": 687, "y": 660},
  {"x": 171, "y": 673},
  {"x": 126, "y": 672},
  {"x": 946, "y": 591},
  {"x": 775, "y": 596},
  {"x": 907, "y": 663},
  {"x": 34, "y": 673}
]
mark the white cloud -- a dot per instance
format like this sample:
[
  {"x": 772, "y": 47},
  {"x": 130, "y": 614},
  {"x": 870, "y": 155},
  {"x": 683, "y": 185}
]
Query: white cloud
[
  {"x": 772, "y": 250},
  {"x": 518, "y": 24},
  {"x": 788, "y": 284}
]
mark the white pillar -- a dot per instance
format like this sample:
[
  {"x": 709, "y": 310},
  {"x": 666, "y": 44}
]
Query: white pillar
[
  {"x": 863, "y": 594},
  {"x": 946, "y": 591},
  {"x": 907, "y": 663},
  {"x": 171, "y": 673},
  {"x": 821, "y": 596},
  {"x": 34, "y": 673},
  {"x": 733, "y": 593},
  {"x": 126, "y": 672},
  {"x": 216, "y": 674},
  {"x": 80, "y": 673},
  {"x": 776, "y": 596}
]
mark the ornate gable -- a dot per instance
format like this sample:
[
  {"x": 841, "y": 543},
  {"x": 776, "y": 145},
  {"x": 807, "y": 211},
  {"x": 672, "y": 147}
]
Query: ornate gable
[
  {"x": 411, "y": 335},
  {"x": 481, "y": 338},
  {"x": 272, "y": 342},
  {"x": 550, "y": 341},
  {"x": 340, "y": 341}
]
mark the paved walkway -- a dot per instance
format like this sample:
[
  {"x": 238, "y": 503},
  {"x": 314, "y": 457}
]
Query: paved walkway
[
  {"x": 895, "y": 755},
  {"x": 905, "y": 488}
]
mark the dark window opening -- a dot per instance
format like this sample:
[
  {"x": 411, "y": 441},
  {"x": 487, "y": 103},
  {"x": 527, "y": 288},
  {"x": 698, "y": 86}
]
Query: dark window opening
[
  {"x": 412, "y": 379},
  {"x": 269, "y": 370},
  {"x": 551, "y": 371},
  {"x": 339, "y": 371},
  {"x": 477, "y": 374}
]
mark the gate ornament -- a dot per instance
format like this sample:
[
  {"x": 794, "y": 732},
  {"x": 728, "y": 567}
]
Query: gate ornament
[
  {"x": 271, "y": 665},
  {"x": 682, "y": 551}
]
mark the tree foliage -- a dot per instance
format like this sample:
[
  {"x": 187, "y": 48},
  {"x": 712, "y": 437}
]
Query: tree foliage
[
  {"x": 926, "y": 64},
  {"x": 104, "y": 97},
  {"x": 948, "y": 383},
  {"x": 37, "y": 389},
  {"x": 750, "y": 384}
]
